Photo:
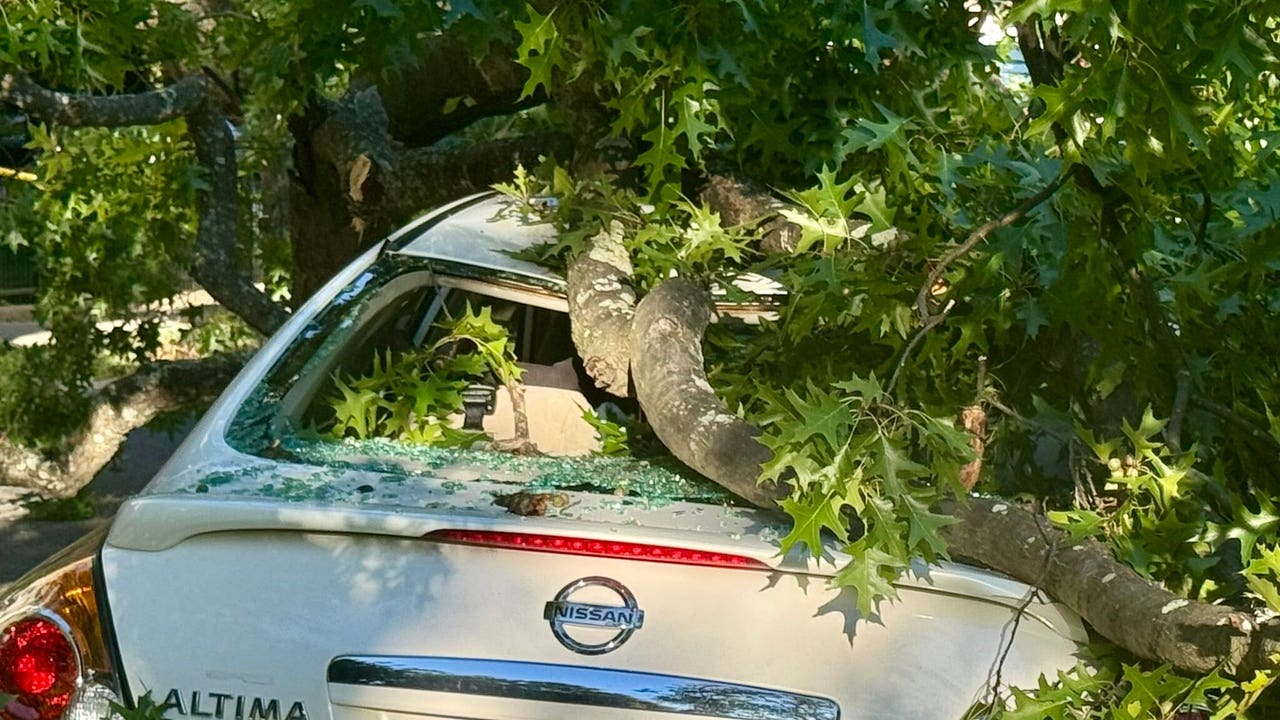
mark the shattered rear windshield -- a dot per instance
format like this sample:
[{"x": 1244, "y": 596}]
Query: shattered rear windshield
[{"x": 419, "y": 368}]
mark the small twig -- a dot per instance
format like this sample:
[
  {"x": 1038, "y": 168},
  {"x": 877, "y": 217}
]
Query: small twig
[
  {"x": 929, "y": 323},
  {"x": 1207, "y": 210},
  {"x": 1229, "y": 416},
  {"x": 997, "y": 676},
  {"x": 929, "y": 320},
  {"x": 978, "y": 235},
  {"x": 982, "y": 380},
  {"x": 1065, "y": 437},
  {"x": 1173, "y": 431}
]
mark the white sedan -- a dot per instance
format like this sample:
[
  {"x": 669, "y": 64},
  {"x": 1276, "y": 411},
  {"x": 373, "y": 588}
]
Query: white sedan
[{"x": 319, "y": 549}]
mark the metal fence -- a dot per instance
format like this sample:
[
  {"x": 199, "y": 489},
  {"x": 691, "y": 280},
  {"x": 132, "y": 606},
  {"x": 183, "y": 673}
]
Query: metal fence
[{"x": 17, "y": 271}]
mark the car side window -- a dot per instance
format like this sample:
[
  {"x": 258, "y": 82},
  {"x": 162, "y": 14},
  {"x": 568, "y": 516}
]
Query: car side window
[{"x": 381, "y": 381}]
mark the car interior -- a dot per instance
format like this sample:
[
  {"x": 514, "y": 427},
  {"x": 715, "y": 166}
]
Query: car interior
[{"x": 406, "y": 314}]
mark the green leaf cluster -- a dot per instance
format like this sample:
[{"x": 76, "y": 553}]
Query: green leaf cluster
[
  {"x": 410, "y": 395},
  {"x": 848, "y": 449},
  {"x": 1114, "y": 690}
]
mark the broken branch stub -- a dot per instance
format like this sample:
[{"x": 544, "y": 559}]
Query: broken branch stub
[
  {"x": 684, "y": 411},
  {"x": 601, "y": 307},
  {"x": 1124, "y": 607},
  {"x": 742, "y": 204}
]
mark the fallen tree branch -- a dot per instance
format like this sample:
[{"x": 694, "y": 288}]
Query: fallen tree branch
[
  {"x": 1135, "y": 613},
  {"x": 78, "y": 110},
  {"x": 118, "y": 409},
  {"x": 684, "y": 411},
  {"x": 1129, "y": 610},
  {"x": 602, "y": 305}
]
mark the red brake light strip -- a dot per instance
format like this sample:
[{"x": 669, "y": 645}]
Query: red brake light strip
[{"x": 596, "y": 548}]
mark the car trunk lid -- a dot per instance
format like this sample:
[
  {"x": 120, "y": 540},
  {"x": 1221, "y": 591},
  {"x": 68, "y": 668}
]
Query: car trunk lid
[{"x": 256, "y": 609}]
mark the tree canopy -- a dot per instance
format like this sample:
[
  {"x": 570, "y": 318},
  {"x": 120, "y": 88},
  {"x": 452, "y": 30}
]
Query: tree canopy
[{"x": 1031, "y": 249}]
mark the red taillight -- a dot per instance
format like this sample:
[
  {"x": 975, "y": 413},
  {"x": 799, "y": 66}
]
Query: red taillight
[
  {"x": 597, "y": 548},
  {"x": 38, "y": 667},
  {"x": 54, "y": 664}
]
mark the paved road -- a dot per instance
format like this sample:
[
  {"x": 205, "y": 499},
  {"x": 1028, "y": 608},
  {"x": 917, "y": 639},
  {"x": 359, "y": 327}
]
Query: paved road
[{"x": 24, "y": 543}]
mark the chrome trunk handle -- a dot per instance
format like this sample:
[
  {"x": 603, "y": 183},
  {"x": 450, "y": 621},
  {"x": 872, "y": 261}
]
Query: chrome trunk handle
[{"x": 574, "y": 685}]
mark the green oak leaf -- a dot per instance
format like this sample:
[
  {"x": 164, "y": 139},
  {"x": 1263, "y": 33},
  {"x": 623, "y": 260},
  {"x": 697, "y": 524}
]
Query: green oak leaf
[
  {"x": 539, "y": 50},
  {"x": 871, "y": 572},
  {"x": 811, "y": 516},
  {"x": 821, "y": 414}
]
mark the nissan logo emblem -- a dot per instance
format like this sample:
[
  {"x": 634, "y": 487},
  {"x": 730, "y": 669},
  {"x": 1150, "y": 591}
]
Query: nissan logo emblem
[{"x": 562, "y": 612}]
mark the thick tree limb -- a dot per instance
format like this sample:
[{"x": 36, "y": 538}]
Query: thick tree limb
[
  {"x": 686, "y": 415},
  {"x": 602, "y": 304},
  {"x": 1137, "y": 614},
  {"x": 354, "y": 183},
  {"x": 1127, "y": 609},
  {"x": 215, "y": 266},
  {"x": 76, "y": 110},
  {"x": 122, "y": 406},
  {"x": 449, "y": 88}
]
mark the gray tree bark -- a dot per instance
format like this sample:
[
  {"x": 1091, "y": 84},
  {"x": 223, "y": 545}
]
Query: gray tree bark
[
  {"x": 354, "y": 183},
  {"x": 76, "y": 110},
  {"x": 1122, "y": 606},
  {"x": 213, "y": 267},
  {"x": 683, "y": 409},
  {"x": 601, "y": 306},
  {"x": 742, "y": 204}
]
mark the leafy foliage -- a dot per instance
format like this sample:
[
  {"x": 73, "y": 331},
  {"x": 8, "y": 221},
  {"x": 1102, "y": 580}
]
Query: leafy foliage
[
  {"x": 410, "y": 395},
  {"x": 1118, "y": 338},
  {"x": 1121, "y": 691}
]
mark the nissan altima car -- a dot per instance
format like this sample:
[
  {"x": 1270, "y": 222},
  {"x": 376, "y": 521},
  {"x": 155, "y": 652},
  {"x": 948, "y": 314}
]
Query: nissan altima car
[{"x": 340, "y": 538}]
